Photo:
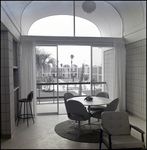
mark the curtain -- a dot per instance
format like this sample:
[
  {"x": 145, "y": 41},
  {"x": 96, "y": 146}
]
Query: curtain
[
  {"x": 28, "y": 71},
  {"x": 119, "y": 81}
]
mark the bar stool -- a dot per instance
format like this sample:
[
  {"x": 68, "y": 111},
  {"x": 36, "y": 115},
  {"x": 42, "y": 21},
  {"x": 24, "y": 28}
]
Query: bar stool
[{"x": 26, "y": 115}]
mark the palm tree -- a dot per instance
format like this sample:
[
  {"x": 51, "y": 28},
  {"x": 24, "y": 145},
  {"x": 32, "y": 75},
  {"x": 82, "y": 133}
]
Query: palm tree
[
  {"x": 72, "y": 56},
  {"x": 49, "y": 62},
  {"x": 43, "y": 61},
  {"x": 81, "y": 79}
]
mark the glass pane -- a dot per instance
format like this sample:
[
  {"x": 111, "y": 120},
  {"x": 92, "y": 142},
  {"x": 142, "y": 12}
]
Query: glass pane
[
  {"x": 66, "y": 25},
  {"x": 58, "y": 23},
  {"x": 84, "y": 26},
  {"x": 74, "y": 68},
  {"x": 46, "y": 74}
]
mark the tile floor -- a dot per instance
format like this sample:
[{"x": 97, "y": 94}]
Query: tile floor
[{"x": 41, "y": 135}]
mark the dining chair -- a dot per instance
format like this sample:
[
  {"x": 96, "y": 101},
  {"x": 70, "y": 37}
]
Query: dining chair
[
  {"x": 112, "y": 106},
  {"x": 78, "y": 112},
  {"x": 96, "y": 108},
  {"x": 115, "y": 132},
  {"x": 68, "y": 95}
]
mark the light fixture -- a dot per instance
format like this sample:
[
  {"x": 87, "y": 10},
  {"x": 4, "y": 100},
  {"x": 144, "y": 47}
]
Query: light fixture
[{"x": 89, "y": 6}]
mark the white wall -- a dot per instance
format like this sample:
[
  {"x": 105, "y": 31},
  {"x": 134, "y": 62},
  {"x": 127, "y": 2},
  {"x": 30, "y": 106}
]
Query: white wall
[
  {"x": 135, "y": 34},
  {"x": 136, "y": 78},
  {"x": 5, "y": 19},
  {"x": 109, "y": 71}
]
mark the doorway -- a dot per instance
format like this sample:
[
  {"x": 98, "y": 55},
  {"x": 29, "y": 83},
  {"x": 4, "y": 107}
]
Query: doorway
[
  {"x": 62, "y": 68},
  {"x": 47, "y": 79}
]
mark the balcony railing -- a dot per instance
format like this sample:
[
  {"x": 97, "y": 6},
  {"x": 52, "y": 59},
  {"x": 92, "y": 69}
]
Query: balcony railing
[{"x": 47, "y": 92}]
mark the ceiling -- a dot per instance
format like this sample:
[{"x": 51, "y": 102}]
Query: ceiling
[{"x": 113, "y": 18}]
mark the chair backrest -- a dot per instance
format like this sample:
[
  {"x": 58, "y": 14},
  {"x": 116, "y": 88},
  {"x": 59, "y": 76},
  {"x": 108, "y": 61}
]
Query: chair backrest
[
  {"x": 113, "y": 105},
  {"x": 76, "y": 110},
  {"x": 30, "y": 96},
  {"x": 67, "y": 96},
  {"x": 117, "y": 123},
  {"x": 103, "y": 94}
]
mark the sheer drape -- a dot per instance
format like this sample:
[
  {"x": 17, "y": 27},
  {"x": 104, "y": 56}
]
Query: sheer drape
[
  {"x": 28, "y": 71},
  {"x": 119, "y": 81}
]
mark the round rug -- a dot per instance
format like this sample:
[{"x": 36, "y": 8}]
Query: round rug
[{"x": 85, "y": 135}]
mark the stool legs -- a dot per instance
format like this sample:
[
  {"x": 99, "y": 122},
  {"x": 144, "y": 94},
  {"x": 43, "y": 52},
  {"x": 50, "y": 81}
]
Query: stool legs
[
  {"x": 19, "y": 113},
  {"x": 25, "y": 116},
  {"x": 31, "y": 112},
  {"x": 24, "y": 113}
]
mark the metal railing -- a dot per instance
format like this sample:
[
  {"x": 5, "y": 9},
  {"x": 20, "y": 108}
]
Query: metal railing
[{"x": 63, "y": 87}]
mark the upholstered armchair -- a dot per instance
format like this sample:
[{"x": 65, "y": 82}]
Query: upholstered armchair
[{"x": 115, "y": 132}]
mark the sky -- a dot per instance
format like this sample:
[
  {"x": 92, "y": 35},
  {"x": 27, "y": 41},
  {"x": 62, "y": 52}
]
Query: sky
[
  {"x": 63, "y": 26},
  {"x": 49, "y": 26}
]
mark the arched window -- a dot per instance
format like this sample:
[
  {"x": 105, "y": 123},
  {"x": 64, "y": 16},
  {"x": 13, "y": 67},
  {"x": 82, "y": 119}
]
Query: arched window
[{"x": 62, "y": 25}]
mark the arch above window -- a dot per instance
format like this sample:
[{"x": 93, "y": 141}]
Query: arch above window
[
  {"x": 63, "y": 25},
  {"x": 105, "y": 17}
]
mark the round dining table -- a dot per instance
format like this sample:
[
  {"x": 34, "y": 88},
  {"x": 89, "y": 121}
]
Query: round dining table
[{"x": 96, "y": 101}]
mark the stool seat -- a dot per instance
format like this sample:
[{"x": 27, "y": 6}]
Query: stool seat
[
  {"x": 27, "y": 115},
  {"x": 22, "y": 116},
  {"x": 23, "y": 100}
]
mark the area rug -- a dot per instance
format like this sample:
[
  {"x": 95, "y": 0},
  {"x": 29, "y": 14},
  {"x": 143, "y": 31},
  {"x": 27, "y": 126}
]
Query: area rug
[{"x": 85, "y": 135}]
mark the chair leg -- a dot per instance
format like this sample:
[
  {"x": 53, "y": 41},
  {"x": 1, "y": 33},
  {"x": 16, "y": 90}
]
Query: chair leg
[
  {"x": 31, "y": 112},
  {"x": 70, "y": 126},
  {"x": 91, "y": 131},
  {"x": 97, "y": 123},
  {"x": 78, "y": 129},
  {"x": 100, "y": 139},
  {"x": 89, "y": 121},
  {"x": 73, "y": 122},
  {"x": 24, "y": 113},
  {"x": 89, "y": 118},
  {"x": 27, "y": 114}
]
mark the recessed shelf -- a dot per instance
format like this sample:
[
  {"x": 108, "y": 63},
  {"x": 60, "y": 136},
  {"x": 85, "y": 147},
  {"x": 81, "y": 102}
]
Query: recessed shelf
[
  {"x": 15, "y": 88},
  {"x": 15, "y": 67},
  {"x": 15, "y": 77},
  {"x": 14, "y": 53}
]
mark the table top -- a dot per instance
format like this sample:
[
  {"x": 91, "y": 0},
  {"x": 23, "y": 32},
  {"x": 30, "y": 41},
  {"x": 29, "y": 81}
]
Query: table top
[{"x": 95, "y": 101}]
